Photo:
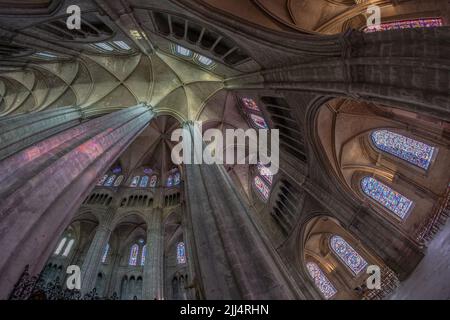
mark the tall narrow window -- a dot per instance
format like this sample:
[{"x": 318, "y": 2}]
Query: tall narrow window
[
  {"x": 102, "y": 180},
  {"x": 110, "y": 181},
  {"x": 68, "y": 248},
  {"x": 250, "y": 104},
  {"x": 181, "y": 253},
  {"x": 118, "y": 181},
  {"x": 415, "y": 152},
  {"x": 259, "y": 122},
  {"x": 134, "y": 183},
  {"x": 60, "y": 246},
  {"x": 390, "y": 199},
  {"x": 143, "y": 255},
  {"x": 262, "y": 188},
  {"x": 406, "y": 24},
  {"x": 320, "y": 280},
  {"x": 347, "y": 254},
  {"x": 182, "y": 51},
  {"x": 105, "y": 253},
  {"x": 153, "y": 181},
  {"x": 144, "y": 182},
  {"x": 133, "y": 255}
]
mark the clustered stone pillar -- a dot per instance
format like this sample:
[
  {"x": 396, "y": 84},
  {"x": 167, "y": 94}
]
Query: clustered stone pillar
[
  {"x": 42, "y": 186},
  {"x": 92, "y": 260},
  {"x": 21, "y": 131},
  {"x": 153, "y": 268},
  {"x": 233, "y": 257}
]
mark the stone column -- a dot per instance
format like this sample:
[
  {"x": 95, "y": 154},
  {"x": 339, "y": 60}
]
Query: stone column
[
  {"x": 233, "y": 257},
  {"x": 92, "y": 260},
  {"x": 21, "y": 131},
  {"x": 42, "y": 186},
  {"x": 154, "y": 261}
]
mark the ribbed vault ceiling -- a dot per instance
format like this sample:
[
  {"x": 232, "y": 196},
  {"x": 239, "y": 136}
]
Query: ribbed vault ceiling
[{"x": 102, "y": 84}]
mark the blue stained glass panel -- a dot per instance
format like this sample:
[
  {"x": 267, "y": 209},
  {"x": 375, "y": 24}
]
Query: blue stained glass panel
[
  {"x": 321, "y": 281},
  {"x": 390, "y": 199},
  {"x": 133, "y": 255},
  {"x": 181, "y": 253},
  {"x": 144, "y": 182},
  {"x": 415, "y": 152},
  {"x": 135, "y": 181},
  {"x": 144, "y": 254},
  {"x": 110, "y": 181},
  {"x": 347, "y": 254},
  {"x": 176, "y": 178},
  {"x": 170, "y": 181}
]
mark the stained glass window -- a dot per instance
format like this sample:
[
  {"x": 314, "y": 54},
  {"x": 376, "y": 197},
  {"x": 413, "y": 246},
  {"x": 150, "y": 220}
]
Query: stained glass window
[
  {"x": 60, "y": 246},
  {"x": 68, "y": 248},
  {"x": 153, "y": 181},
  {"x": 181, "y": 253},
  {"x": 117, "y": 170},
  {"x": 262, "y": 188},
  {"x": 390, "y": 199},
  {"x": 102, "y": 180},
  {"x": 170, "y": 181},
  {"x": 259, "y": 121},
  {"x": 144, "y": 254},
  {"x": 415, "y": 152},
  {"x": 347, "y": 254},
  {"x": 110, "y": 181},
  {"x": 204, "y": 60},
  {"x": 182, "y": 51},
  {"x": 265, "y": 173},
  {"x": 118, "y": 181},
  {"x": 144, "y": 182},
  {"x": 406, "y": 24},
  {"x": 105, "y": 253},
  {"x": 148, "y": 171},
  {"x": 135, "y": 181},
  {"x": 133, "y": 255},
  {"x": 250, "y": 104},
  {"x": 176, "y": 178},
  {"x": 321, "y": 281}
]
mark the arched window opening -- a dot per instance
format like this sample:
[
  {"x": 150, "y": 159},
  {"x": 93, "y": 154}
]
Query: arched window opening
[
  {"x": 68, "y": 247},
  {"x": 181, "y": 253},
  {"x": 144, "y": 182},
  {"x": 174, "y": 178},
  {"x": 105, "y": 253},
  {"x": 388, "y": 198},
  {"x": 143, "y": 255},
  {"x": 320, "y": 280},
  {"x": 135, "y": 181},
  {"x": 153, "y": 181},
  {"x": 347, "y": 254},
  {"x": 60, "y": 246},
  {"x": 406, "y": 24},
  {"x": 118, "y": 181},
  {"x": 253, "y": 113},
  {"x": 262, "y": 188},
  {"x": 110, "y": 181},
  {"x": 102, "y": 180},
  {"x": 133, "y": 255},
  {"x": 415, "y": 152}
]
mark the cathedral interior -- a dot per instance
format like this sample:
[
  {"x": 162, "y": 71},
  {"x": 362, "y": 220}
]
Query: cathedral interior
[{"x": 88, "y": 180}]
